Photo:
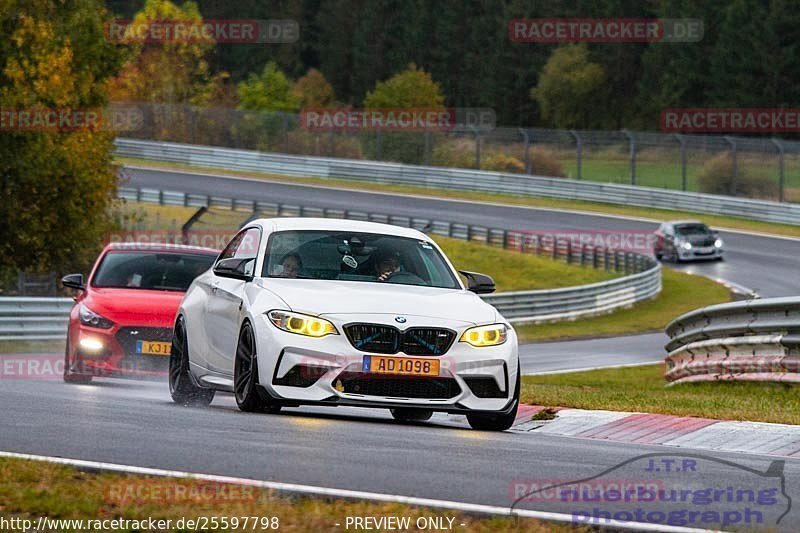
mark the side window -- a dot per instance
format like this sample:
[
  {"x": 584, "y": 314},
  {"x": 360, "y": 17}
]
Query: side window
[
  {"x": 230, "y": 248},
  {"x": 243, "y": 246}
]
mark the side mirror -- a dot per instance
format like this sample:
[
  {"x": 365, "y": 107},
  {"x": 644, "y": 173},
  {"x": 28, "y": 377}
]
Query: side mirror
[
  {"x": 477, "y": 282},
  {"x": 73, "y": 281},
  {"x": 234, "y": 267}
]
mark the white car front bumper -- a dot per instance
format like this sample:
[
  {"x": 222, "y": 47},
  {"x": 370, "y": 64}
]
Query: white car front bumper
[{"x": 329, "y": 370}]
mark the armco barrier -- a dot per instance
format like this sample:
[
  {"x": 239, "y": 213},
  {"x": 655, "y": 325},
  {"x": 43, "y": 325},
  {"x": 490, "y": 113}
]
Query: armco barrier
[
  {"x": 457, "y": 179},
  {"x": 32, "y": 318},
  {"x": 754, "y": 340}
]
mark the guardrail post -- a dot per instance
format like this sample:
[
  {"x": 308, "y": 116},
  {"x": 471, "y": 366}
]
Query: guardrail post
[
  {"x": 782, "y": 169},
  {"x": 526, "y": 139},
  {"x": 469, "y": 232},
  {"x": 578, "y": 151},
  {"x": 477, "y": 147},
  {"x": 569, "y": 251},
  {"x": 682, "y": 141},
  {"x": 555, "y": 248},
  {"x": 735, "y": 173},
  {"x": 285, "y": 122},
  {"x": 160, "y": 197},
  {"x": 632, "y": 150},
  {"x": 192, "y": 119},
  {"x": 427, "y": 155}
]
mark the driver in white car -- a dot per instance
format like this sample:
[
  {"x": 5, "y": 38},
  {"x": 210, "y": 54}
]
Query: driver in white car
[{"x": 387, "y": 262}]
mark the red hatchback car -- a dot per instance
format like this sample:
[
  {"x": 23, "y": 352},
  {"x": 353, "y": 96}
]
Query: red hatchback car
[{"x": 121, "y": 324}]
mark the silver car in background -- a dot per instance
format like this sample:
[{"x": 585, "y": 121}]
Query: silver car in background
[{"x": 687, "y": 240}]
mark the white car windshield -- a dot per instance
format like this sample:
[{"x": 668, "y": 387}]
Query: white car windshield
[{"x": 350, "y": 256}]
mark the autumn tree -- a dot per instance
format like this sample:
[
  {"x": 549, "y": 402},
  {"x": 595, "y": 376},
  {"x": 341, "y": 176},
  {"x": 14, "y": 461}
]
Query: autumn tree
[
  {"x": 171, "y": 76},
  {"x": 313, "y": 91},
  {"x": 270, "y": 90},
  {"x": 265, "y": 98},
  {"x": 56, "y": 185},
  {"x": 570, "y": 88},
  {"x": 412, "y": 88}
]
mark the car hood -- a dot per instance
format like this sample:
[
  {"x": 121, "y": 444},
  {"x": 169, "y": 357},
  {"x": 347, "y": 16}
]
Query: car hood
[
  {"x": 324, "y": 297},
  {"x": 135, "y": 306}
]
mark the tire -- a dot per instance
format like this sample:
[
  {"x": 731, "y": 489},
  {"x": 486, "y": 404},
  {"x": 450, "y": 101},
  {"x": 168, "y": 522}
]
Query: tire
[
  {"x": 71, "y": 377},
  {"x": 497, "y": 422},
  {"x": 181, "y": 387},
  {"x": 407, "y": 414},
  {"x": 245, "y": 375}
]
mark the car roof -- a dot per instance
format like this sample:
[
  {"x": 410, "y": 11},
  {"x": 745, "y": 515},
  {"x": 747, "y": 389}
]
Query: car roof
[
  {"x": 336, "y": 224},
  {"x": 160, "y": 247}
]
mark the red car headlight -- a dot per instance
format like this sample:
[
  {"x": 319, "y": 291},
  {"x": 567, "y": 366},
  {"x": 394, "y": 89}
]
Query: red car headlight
[{"x": 95, "y": 320}]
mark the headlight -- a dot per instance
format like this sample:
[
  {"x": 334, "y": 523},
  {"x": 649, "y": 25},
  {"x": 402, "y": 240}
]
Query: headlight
[
  {"x": 718, "y": 243},
  {"x": 310, "y": 326},
  {"x": 490, "y": 335},
  {"x": 90, "y": 318},
  {"x": 686, "y": 245}
]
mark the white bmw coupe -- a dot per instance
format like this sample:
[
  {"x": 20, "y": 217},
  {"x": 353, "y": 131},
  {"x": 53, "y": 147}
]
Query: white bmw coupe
[{"x": 305, "y": 311}]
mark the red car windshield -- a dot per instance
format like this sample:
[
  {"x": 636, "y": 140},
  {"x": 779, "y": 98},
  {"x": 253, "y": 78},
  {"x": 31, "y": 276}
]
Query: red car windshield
[{"x": 162, "y": 271}]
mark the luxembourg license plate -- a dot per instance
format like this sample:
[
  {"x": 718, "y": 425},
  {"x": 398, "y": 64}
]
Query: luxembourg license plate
[
  {"x": 153, "y": 347},
  {"x": 405, "y": 366}
]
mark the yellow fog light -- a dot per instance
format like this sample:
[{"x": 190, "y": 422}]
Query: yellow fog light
[
  {"x": 481, "y": 336},
  {"x": 310, "y": 326},
  {"x": 91, "y": 345}
]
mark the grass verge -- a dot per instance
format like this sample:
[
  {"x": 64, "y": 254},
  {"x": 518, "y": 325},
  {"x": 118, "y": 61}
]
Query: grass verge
[
  {"x": 642, "y": 388},
  {"x": 33, "y": 347},
  {"x": 650, "y": 315},
  {"x": 32, "y": 489},
  {"x": 514, "y": 271},
  {"x": 550, "y": 203},
  {"x": 153, "y": 216}
]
